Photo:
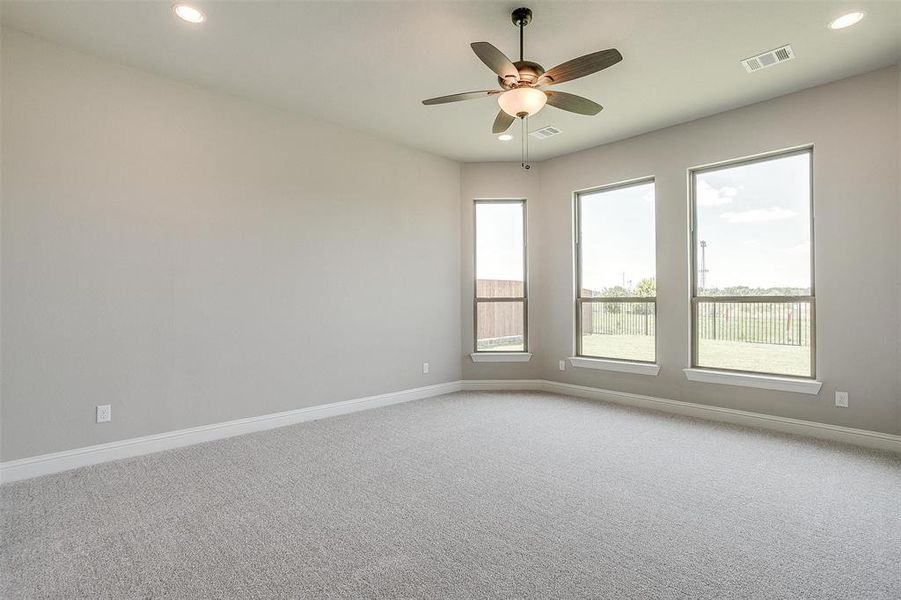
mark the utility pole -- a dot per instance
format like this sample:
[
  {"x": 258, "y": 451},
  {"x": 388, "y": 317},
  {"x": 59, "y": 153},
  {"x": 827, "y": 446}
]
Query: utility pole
[{"x": 702, "y": 272}]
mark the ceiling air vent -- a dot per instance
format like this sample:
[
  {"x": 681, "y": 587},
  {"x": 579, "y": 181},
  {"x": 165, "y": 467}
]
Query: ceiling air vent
[
  {"x": 545, "y": 132},
  {"x": 768, "y": 59}
]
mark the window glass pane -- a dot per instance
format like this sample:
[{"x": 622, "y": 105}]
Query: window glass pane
[
  {"x": 753, "y": 238},
  {"x": 753, "y": 228},
  {"x": 500, "y": 327},
  {"x": 617, "y": 242},
  {"x": 767, "y": 337},
  {"x": 623, "y": 330},
  {"x": 500, "y": 268}
]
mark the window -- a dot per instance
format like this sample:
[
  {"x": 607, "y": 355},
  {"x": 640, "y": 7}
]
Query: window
[
  {"x": 616, "y": 289},
  {"x": 501, "y": 290},
  {"x": 753, "y": 303}
]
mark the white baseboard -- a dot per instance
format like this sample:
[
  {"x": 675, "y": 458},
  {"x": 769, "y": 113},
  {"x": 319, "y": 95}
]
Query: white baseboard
[
  {"x": 56, "y": 462},
  {"x": 824, "y": 431},
  {"x": 512, "y": 385},
  {"x": 80, "y": 457}
]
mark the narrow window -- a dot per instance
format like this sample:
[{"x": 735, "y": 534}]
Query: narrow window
[
  {"x": 753, "y": 304},
  {"x": 501, "y": 289},
  {"x": 616, "y": 286}
]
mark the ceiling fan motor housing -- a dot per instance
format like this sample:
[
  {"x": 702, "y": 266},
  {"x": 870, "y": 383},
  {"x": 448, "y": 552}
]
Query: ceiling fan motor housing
[{"x": 529, "y": 72}]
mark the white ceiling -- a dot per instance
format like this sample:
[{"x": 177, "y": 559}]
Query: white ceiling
[{"x": 368, "y": 65}]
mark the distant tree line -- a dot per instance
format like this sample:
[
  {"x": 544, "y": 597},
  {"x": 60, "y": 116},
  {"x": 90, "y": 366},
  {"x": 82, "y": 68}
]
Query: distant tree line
[
  {"x": 743, "y": 290},
  {"x": 647, "y": 288}
]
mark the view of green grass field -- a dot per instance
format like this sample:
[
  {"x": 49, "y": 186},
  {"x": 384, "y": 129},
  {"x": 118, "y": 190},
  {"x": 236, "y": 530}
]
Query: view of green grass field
[{"x": 718, "y": 354}]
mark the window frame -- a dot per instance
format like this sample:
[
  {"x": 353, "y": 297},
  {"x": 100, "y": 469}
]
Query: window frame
[
  {"x": 476, "y": 299},
  {"x": 579, "y": 300},
  {"x": 695, "y": 299}
]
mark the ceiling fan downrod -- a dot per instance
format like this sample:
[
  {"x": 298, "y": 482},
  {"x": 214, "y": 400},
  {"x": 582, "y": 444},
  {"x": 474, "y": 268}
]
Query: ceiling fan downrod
[{"x": 521, "y": 17}]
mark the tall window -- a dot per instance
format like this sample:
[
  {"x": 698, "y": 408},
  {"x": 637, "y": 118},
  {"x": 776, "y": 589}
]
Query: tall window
[
  {"x": 616, "y": 288},
  {"x": 753, "y": 300},
  {"x": 501, "y": 289}
]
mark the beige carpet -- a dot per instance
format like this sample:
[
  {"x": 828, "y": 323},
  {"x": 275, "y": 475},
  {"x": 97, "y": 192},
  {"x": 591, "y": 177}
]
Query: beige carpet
[{"x": 473, "y": 495}]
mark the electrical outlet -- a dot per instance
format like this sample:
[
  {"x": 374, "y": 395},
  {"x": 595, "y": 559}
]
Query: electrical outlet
[
  {"x": 425, "y": 368},
  {"x": 841, "y": 399},
  {"x": 104, "y": 413},
  {"x": 562, "y": 365}
]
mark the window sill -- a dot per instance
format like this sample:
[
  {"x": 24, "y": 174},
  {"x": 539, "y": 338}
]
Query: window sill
[
  {"x": 620, "y": 366},
  {"x": 500, "y": 357},
  {"x": 764, "y": 382}
]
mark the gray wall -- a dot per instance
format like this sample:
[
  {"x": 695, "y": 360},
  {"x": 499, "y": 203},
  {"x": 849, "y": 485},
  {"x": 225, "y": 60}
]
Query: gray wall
[
  {"x": 192, "y": 258},
  {"x": 853, "y": 124}
]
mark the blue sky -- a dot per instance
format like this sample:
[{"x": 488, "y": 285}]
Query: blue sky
[
  {"x": 618, "y": 237},
  {"x": 499, "y": 241},
  {"x": 755, "y": 219}
]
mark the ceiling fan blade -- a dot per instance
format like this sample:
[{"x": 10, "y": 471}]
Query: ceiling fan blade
[
  {"x": 573, "y": 103},
  {"x": 580, "y": 67},
  {"x": 495, "y": 60},
  {"x": 459, "y": 97},
  {"x": 502, "y": 122}
]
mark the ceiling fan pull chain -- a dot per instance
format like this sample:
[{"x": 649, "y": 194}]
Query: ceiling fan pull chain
[
  {"x": 522, "y": 147},
  {"x": 525, "y": 134},
  {"x": 524, "y": 144}
]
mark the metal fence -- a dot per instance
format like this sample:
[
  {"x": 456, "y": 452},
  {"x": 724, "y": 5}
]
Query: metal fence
[
  {"x": 755, "y": 321},
  {"x": 746, "y": 319},
  {"x": 618, "y": 317},
  {"x": 769, "y": 321}
]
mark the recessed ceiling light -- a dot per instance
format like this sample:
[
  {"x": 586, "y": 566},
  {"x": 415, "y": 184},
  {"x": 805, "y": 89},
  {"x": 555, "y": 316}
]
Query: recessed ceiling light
[
  {"x": 505, "y": 137},
  {"x": 847, "y": 20},
  {"x": 189, "y": 13}
]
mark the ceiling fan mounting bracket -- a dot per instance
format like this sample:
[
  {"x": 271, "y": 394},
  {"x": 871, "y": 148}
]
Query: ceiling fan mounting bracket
[{"x": 522, "y": 16}]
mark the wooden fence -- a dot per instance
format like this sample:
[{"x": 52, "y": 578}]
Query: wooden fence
[{"x": 499, "y": 323}]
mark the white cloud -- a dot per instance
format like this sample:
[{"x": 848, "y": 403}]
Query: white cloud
[
  {"x": 708, "y": 195},
  {"x": 759, "y": 215},
  {"x": 798, "y": 249}
]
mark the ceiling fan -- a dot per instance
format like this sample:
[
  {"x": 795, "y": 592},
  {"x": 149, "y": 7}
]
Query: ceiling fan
[{"x": 521, "y": 94}]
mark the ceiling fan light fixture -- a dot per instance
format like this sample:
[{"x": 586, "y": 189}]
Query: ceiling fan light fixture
[{"x": 523, "y": 101}]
